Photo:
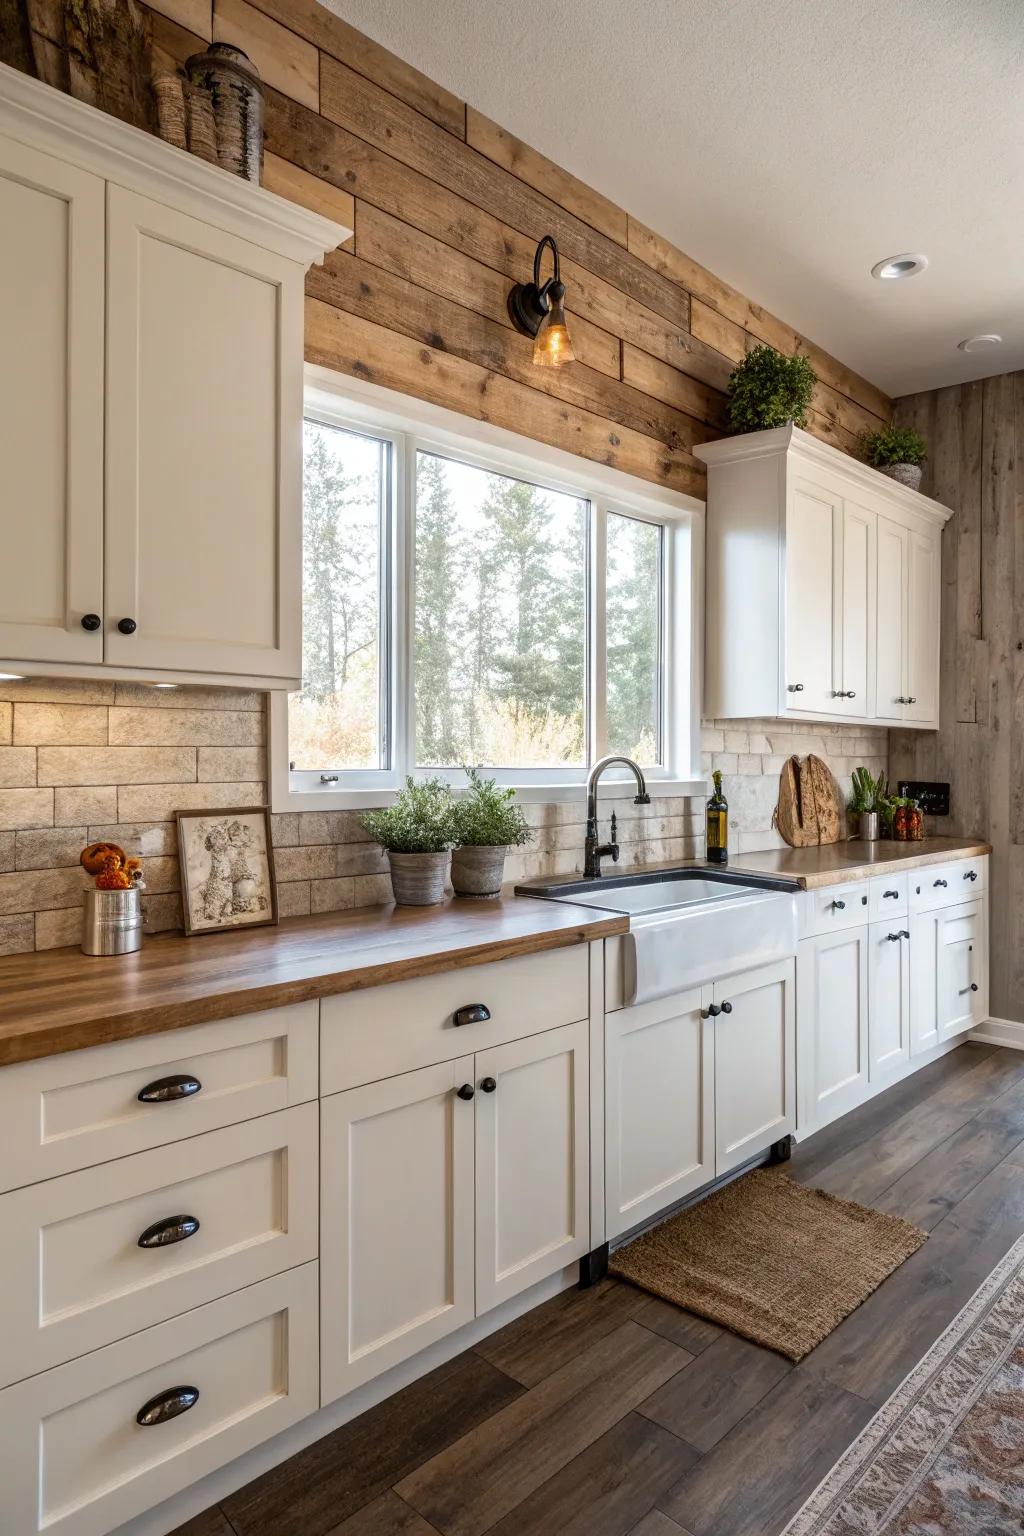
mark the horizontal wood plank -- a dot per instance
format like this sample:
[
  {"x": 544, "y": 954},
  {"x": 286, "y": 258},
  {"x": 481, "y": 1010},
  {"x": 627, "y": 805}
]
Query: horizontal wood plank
[
  {"x": 284, "y": 60},
  {"x": 291, "y": 181},
  {"x": 656, "y": 378}
]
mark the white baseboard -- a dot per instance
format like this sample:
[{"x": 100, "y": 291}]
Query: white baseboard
[{"x": 1007, "y": 1032}]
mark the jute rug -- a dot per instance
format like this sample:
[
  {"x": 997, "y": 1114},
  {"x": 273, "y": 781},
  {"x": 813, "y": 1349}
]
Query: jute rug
[
  {"x": 769, "y": 1259},
  {"x": 945, "y": 1456}
]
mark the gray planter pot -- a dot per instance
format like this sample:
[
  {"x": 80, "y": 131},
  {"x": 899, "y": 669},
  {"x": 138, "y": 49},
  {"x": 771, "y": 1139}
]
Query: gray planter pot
[
  {"x": 418, "y": 879},
  {"x": 478, "y": 871},
  {"x": 867, "y": 826},
  {"x": 907, "y": 474}
]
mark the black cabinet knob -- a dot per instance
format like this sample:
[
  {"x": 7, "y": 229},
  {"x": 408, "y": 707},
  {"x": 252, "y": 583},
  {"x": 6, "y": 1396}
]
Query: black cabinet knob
[
  {"x": 166, "y": 1089},
  {"x": 488, "y": 1084},
  {"x": 173, "y": 1229},
  {"x": 167, "y": 1405},
  {"x": 727, "y": 1007},
  {"x": 974, "y": 986},
  {"x": 911, "y": 700},
  {"x": 473, "y": 1013},
  {"x": 127, "y": 626},
  {"x": 893, "y": 938},
  {"x": 972, "y": 874},
  {"x": 712, "y": 1011},
  {"x": 796, "y": 688},
  {"x": 466, "y": 1091},
  {"x": 91, "y": 621},
  {"x": 904, "y": 933},
  {"x": 839, "y": 906}
]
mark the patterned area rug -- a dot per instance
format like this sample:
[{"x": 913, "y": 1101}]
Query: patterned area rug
[{"x": 945, "y": 1456}]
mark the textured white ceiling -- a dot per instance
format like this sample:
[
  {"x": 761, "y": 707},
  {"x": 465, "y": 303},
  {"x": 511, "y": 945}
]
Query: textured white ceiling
[{"x": 787, "y": 145}]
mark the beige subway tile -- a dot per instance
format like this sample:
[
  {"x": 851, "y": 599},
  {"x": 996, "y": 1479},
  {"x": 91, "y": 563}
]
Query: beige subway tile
[
  {"x": 331, "y": 827},
  {"x": 748, "y": 762},
  {"x": 85, "y": 805},
  {"x": 145, "y": 696},
  {"x": 142, "y": 840},
  {"x": 60, "y": 927},
  {"x": 116, "y": 765},
  {"x": 17, "y": 767},
  {"x": 17, "y": 934},
  {"x": 758, "y": 741},
  {"x": 737, "y": 741},
  {"x": 6, "y": 723},
  {"x": 162, "y": 873},
  {"x": 286, "y": 61},
  {"x": 231, "y": 765},
  {"x": 724, "y": 762},
  {"x": 25, "y": 808},
  {"x": 293, "y": 898},
  {"x": 371, "y": 890},
  {"x": 360, "y": 859},
  {"x": 39, "y": 889},
  {"x": 331, "y": 895},
  {"x": 162, "y": 911},
  {"x": 712, "y": 739},
  {"x": 45, "y": 690},
  {"x": 7, "y": 850},
  {"x": 284, "y": 829},
  {"x": 314, "y": 863},
  {"x": 158, "y": 802},
  {"x": 751, "y": 802},
  {"x": 186, "y": 727},
  {"x": 52, "y": 848},
  {"x": 62, "y": 725}
]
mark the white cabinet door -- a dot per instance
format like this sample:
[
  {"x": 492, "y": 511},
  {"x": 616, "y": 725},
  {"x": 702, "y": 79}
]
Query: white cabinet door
[
  {"x": 659, "y": 1107},
  {"x": 832, "y": 1026},
  {"x": 962, "y": 987},
  {"x": 923, "y": 586},
  {"x": 532, "y": 1164},
  {"x": 203, "y": 469},
  {"x": 396, "y": 1220},
  {"x": 51, "y": 407},
  {"x": 891, "y": 622},
  {"x": 813, "y": 522},
  {"x": 888, "y": 997},
  {"x": 755, "y": 1062},
  {"x": 855, "y": 612},
  {"x": 925, "y": 928}
]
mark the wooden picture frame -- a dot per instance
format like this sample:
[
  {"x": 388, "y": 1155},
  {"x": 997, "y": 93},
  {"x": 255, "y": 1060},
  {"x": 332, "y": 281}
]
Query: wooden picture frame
[{"x": 226, "y": 858}]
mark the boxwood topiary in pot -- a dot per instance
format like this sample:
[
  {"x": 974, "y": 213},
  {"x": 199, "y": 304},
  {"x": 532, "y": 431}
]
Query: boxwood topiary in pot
[
  {"x": 768, "y": 390},
  {"x": 898, "y": 452},
  {"x": 488, "y": 822},
  {"x": 418, "y": 834}
]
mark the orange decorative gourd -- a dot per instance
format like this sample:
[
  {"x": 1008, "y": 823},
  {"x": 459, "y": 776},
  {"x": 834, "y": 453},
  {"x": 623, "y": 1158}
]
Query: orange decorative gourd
[
  {"x": 113, "y": 876},
  {"x": 93, "y": 858}
]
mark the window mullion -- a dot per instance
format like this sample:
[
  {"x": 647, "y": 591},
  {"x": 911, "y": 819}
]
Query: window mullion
[{"x": 597, "y": 678}]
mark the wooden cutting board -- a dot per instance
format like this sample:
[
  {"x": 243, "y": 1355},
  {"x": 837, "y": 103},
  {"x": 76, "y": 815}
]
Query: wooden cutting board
[{"x": 810, "y": 807}]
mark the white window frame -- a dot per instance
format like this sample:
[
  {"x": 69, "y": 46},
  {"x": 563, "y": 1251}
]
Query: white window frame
[{"x": 412, "y": 426}]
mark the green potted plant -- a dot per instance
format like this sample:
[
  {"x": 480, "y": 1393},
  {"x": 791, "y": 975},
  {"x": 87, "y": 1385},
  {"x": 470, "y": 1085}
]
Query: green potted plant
[
  {"x": 869, "y": 795},
  {"x": 768, "y": 390},
  {"x": 488, "y": 822},
  {"x": 898, "y": 452},
  {"x": 418, "y": 834}
]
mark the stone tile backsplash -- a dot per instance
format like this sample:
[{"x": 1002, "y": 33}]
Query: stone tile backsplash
[{"x": 88, "y": 760}]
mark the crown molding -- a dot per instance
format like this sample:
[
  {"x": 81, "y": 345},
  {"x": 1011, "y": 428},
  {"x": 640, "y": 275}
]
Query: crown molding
[{"x": 49, "y": 120}]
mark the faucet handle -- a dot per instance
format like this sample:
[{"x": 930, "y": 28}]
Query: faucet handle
[
  {"x": 643, "y": 799},
  {"x": 615, "y": 828}
]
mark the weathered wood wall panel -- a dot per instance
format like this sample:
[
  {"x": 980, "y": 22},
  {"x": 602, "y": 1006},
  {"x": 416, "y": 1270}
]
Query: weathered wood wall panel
[
  {"x": 976, "y": 466},
  {"x": 447, "y": 208}
]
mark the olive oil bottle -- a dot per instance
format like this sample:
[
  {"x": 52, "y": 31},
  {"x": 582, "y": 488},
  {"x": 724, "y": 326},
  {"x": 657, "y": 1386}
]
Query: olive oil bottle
[{"x": 717, "y": 824}]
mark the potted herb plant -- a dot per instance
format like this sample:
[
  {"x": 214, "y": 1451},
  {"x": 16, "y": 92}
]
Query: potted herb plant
[
  {"x": 418, "y": 834},
  {"x": 869, "y": 796},
  {"x": 488, "y": 822},
  {"x": 768, "y": 390},
  {"x": 898, "y": 452}
]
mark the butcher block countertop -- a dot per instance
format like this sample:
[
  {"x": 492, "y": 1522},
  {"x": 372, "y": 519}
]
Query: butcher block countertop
[
  {"x": 61, "y": 1000},
  {"x": 839, "y": 863}
]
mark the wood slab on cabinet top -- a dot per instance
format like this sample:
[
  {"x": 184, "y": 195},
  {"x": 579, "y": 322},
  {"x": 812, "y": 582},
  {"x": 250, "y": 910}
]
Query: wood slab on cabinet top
[
  {"x": 62, "y": 1000},
  {"x": 838, "y": 863}
]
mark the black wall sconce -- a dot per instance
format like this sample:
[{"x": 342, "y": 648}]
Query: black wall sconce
[{"x": 538, "y": 310}]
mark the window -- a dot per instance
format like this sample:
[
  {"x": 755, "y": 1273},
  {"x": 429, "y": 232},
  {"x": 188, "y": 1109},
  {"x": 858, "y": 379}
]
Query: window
[{"x": 469, "y": 597}]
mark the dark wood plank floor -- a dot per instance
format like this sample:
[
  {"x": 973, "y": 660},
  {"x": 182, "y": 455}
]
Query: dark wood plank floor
[{"x": 608, "y": 1413}]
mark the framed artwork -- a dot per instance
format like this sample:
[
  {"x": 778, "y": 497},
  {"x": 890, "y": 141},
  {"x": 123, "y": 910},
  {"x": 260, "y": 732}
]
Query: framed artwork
[{"x": 227, "y": 869}]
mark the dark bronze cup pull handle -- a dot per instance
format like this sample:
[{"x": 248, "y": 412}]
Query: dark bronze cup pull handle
[
  {"x": 473, "y": 1013},
  {"x": 894, "y": 894},
  {"x": 972, "y": 874},
  {"x": 167, "y": 1405},
  {"x": 166, "y": 1089},
  {"x": 941, "y": 882},
  {"x": 173, "y": 1229}
]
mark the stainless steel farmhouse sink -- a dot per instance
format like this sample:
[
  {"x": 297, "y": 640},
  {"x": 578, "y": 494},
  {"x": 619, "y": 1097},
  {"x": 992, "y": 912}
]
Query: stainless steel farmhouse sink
[{"x": 687, "y": 926}]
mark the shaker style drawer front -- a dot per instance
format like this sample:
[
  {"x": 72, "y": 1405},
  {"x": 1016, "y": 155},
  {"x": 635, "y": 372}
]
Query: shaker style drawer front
[
  {"x": 84, "y": 1107},
  {"x": 100, "y": 1254},
  {"x": 91, "y": 1444},
  {"x": 887, "y": 898},
  {"x": 411, "y": 1024},
  {"x": 833, "y": 907},
  {"x": 946, "y": 885}
]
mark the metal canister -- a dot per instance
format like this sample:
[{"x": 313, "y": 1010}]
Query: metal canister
[{"x": 112, "y": 922}]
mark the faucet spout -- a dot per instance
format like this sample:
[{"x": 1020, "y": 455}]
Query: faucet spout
[{"x": 594, "y": 849}]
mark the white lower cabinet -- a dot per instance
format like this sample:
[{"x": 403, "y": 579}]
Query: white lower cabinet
[
  {"x": 90, "y": 1444},
  {"x": 962, "y": 989},
  {"x": 659, "y": 1106},
  {"x": 832, "y": 997},
  {"x": 888, "y": 998},
  {"x": 755, "y": 1062}
]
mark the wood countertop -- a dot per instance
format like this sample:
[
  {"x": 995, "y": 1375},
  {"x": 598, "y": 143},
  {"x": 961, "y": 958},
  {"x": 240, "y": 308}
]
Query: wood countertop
[
  {"x": 61, "y": 1000},
  {"x": 840, "y": 863}
]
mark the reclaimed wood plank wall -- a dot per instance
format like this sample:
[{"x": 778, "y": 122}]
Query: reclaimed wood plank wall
[
  {"x": 447, "y": 208},
  {"x": 976, "y": 466}
]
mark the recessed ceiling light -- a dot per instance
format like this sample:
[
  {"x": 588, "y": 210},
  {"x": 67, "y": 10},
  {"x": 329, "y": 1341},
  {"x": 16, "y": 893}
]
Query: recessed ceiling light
[
  {"x": 904, "y": 265},
  {"x": 980, "y": 343}
]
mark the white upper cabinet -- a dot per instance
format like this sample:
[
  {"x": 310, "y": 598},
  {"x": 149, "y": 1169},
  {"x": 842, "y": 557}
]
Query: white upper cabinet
[
  {"x": 151, "y": 402},
  {"x": 823, "y": 581}
]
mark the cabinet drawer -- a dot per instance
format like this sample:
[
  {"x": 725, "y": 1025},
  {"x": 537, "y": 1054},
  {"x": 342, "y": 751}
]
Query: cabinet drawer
[
  {"x": 833, "y": 907},
  {"x": 74, "y": 1460},
  {"x": 76, "y": 1275},
  {"x": 945, "y": 885},
  {"x": 412, "y": 1024},
  {"x": 887, "y": 898},
  {"x": 71, "y": 1111}
]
